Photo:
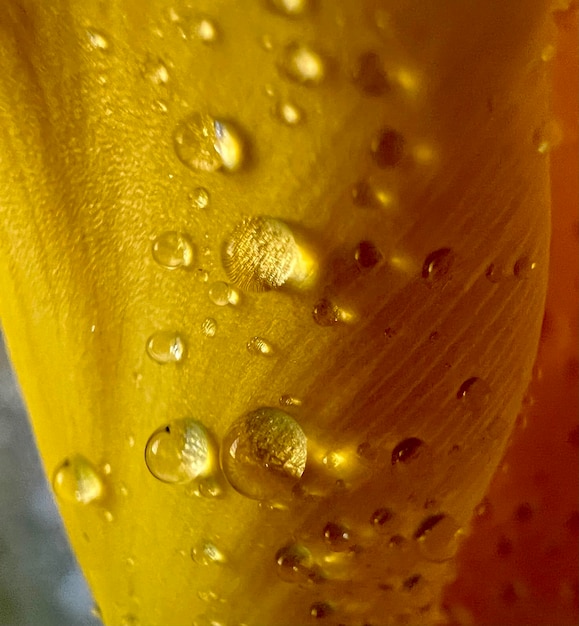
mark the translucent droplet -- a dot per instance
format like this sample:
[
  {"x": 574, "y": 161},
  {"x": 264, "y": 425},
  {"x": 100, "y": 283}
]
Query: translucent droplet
[
  {"x": 325, "y": 313},
  {"x": 288, "y": 400},
  {"x": 474, "y": 392},
  {"x": 109, "y": 517},
  {"x": 76, "y": 479},
  {"x": 407, "y": 450},
  {"x": 207, "y": 553},
  {"x": 98, "y": 40},
  {"x": 172, "y": 250},
  {"x": 210, "y": 487},
  {"x": 264, "y": 454},
  {"x": 337, "y": 537},
  {"x": 436, "y": 266},
  {"x": 156, "y": 71},
  {"x": 206, "y": 31},
  {"x": 295, "y": 563},
  {"x": 179, "y": 452},
  {"x": 547, "y": 137},
  {"x": 370, "y": 76},
  {"x": 289, "y": 113},
  {"x": 438, "y": 537},
  {"x": 382, "y": 518},
  {"x": 524, "y": 268},
  {"x": 319, "y": 610},
  {"x": 166, "y": 347},
  {"x": 262, "y": 254},
  {"x": 302, "y": 64},
  {"x": 258, "y": 345},
  {"x": 200, "y": 198},
  {"x": 367, "y": 255},
  {"x": 495, "y": 273},
  {"x": 209, "y": 327},
  {"x": 291, "y": 8},
  {"x": 387, "y": 148},
  {"x": 222, "y": 294},
  {"x": 205, "y": 144}
]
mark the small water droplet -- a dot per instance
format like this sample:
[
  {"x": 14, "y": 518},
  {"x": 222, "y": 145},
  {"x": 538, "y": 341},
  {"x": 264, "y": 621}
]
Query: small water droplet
[
  {"x": 370, "y": 76},
  {"x": 302, "y": 64},
  {"x": 200, "y": 198},
  {"x": 495, "y": 273},
  {"x": 207, "y": 553},
  {"x": 166, "y": 347},
  {"x": 319, "y": 610},
  {"x": 337, "y": 537},
  {"x": 289, "y": 113},
  {"x": 98, "y": 40},
  {"x": 173, "y": 250},
  {"x": 222, "y": 294},
  {"x": 387, "y": 148},
  {"x": 438, "y": 537},
  {"x": 437, "y": 265},
  {"x": 206, "y": 30},
  {"x": 262, "y": 254},
  {"x": 156, "y": 71},
  {"x": 76, "y": 479},
  {"x": 295, "y": 563},
  {"x": 109, "y": 517},
  {"x": 202, "y": 275},
  {"x": 367, "y": 255},
  {"x": 209, "y": 327},
  {"x": 326, "y": 313},
  {"x": 524, "y": 268},
  {"x": 290, "y": 8},
  {"x": 264, "y": 453},
  {"x": 210, "y": 487},
  {"x": 474, "y": 392},
  {"x": 381, "y": 519},
  {"x": 205, "y": 144},
  {"x": 407, "y": 450},
  {"x": 288, "y": 400},
  {"x": 179, "y": 452},
  {"x": 547, "y": 137},
  {"x": 258, "y": 345}
]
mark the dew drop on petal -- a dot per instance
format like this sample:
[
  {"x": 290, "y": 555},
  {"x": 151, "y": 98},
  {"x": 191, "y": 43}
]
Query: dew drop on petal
[
  {"x": 407, "y": 450},
  {"x": 370, "y": 76},
  {"x": 207, "y": 553},
  {"x": 302, "y": 64},
  {"x": 295, "y": 563},
  {"x": 206, "y": 30},
  {"x": 438, "y": 537},
  {"x": 179, "y": 452},
  {"x": 289, "y": 113},
  {"x": 259, "y": 346},
  {"x": 437, "y": 265},
  {"x": 209, "y": 327},
  {"x": 76, "y": 479},
  {"x": 166, "y": 347},
  {"x": 474, "y": 392},
  {"x": 222, "y": 294},
  {"x": 337, "y": 537},
  {"x": 98, "y": 40},
  {"x": 173, "y": 250},
  {"x": 290, "y": 8},
  {"x": 200, "y": 198},
  {"x": 387, "y": 148},
  {"x": 263, "y": 454}
]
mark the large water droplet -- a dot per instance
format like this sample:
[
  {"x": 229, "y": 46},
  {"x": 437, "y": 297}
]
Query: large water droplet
[
  {"x": 438, "y": 537},
  {"x": 258, "y": 345},
  {"x": 302, "y": 64},
  {"x": 474, "y": 392},
  {"x": 264, "y": 454},
  {"x": 172, "y": 250},
  {"x": 179, "y": 452},
  {"x": 337, "y": 537},
  {"x": 370, "y": 76},
  {"x": 262, "y": 254},
  {"x": 437, "y": 264},
  {"x": 387, "y": 148},
  {"x": 407, "y": 450},
  {"x": 295, "y": 563},
  {"x": 203, "y": 143},
  {"x": 166, "y": 347},
  {"x": 76, "y": 479}
]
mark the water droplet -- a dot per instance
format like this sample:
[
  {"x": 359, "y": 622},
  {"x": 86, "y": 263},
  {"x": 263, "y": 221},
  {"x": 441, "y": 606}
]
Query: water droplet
[
  {"x": 407, "y": 450},
  {"x": 326, "y": 313},
  {"x": 295, "y": 563},
  {"x": 209, "y": 327},
  {"x": 205, "y": 144},
  {"x": 370, "y": 76},
  {"x": 263, "y": 254},
  {"x": 109, "y": 517},
  {"x": 200, "y": 198},
  {"x": 337, "y": 537},
  {"x": 156, "y": 71},
  {"x": 524, "y": 268},
  {"x": 77, "y": 480},
  {"x": 289, "y": 113},
  {"x": 367, "y": 255},
  {"x": 98, "y": 40},
  {"x": 387, "y": 148},
  {"x": 172, "y": 250},
  {"x": 206, "y": 30},
  {"x": 381, "y": 519},
  {"x": 302, "y": 64},
  {"x": 438, "y": 537},
  {"x": 202, "y": 275},
  {"x": 207, "y": 553},
  {"x": 258, "y": 345},
  {"x": 222, "y": 294},
  {"x": 547, "y": 137},
  {"x": 474, "y": 392},
  {"x": 319, "y": 610},
  {"x": 287, "y": 400},
  {"x": 210, "y": 487},
  {"x": 179, "y": 452},
  {"x": 495, "y": 273},
  {"x": 437, "y": 265},
  {"x": 291, "y": 8},
  {"x": 264, "y": 453},
  {"x": 166, "y": 347}
]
